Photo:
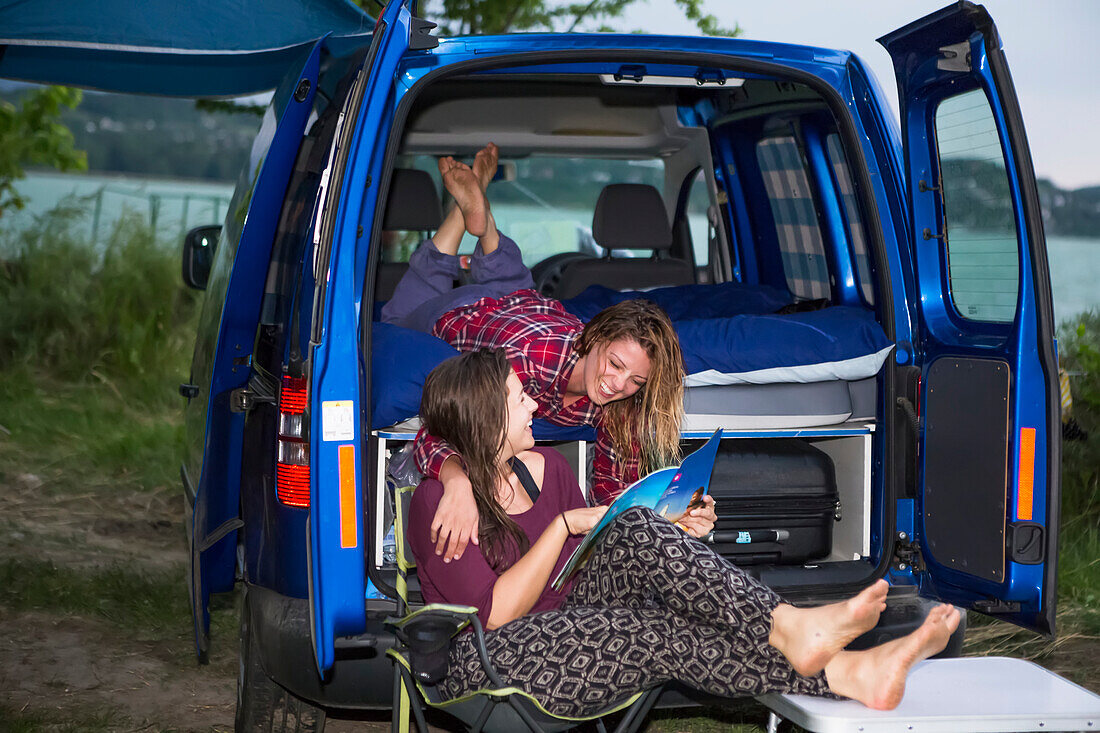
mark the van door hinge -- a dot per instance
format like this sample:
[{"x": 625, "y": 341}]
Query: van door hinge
[
  {"x": 995, "y": 606},
  {"x": 907, "y": 554},
  {"x": 245, "y": 398},
  {"x": 955, "y": 57},
  {"x": 420, "y": 35}
]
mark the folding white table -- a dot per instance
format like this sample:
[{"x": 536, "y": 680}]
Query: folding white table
[{"x": 973, "y": 694}]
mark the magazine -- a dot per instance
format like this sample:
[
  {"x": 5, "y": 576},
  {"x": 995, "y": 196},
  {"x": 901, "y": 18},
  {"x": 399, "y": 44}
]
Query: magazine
[{"x": 671, "y": 492}]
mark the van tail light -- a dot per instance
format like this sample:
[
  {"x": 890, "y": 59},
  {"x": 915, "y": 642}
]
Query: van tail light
[{"x": 292, "y": 454}]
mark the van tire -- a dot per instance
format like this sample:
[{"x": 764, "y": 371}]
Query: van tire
[{"x": 263, "y": 705}]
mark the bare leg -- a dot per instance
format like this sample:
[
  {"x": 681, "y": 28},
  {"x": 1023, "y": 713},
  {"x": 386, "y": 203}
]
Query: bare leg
[
  {"x": 810, "y": 637},
  {"x": 449, "y": 235},
  {"x": 876, "y": 677}
]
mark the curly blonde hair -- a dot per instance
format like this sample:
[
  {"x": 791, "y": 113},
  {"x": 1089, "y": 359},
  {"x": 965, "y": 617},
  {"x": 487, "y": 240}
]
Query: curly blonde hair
[{"x": 647, "y": 424}]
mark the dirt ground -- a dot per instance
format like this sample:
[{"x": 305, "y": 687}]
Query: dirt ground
[{"x": 61, "y": 668}]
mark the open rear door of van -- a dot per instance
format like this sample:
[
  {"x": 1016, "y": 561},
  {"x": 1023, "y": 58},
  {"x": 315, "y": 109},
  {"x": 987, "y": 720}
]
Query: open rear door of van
[
  {"x": 986, "y": 515},
  {"x": 337, "y": 533}
]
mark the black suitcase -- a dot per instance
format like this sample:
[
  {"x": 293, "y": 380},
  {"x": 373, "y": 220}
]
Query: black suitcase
[{"x": 776, "y": 501}]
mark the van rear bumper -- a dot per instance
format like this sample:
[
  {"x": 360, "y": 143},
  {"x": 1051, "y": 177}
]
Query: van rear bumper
[{"x": 361, "y": 678}]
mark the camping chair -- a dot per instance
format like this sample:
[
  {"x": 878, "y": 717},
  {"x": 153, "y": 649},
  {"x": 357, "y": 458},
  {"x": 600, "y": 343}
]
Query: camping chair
[{"x": 421, "y": 655}]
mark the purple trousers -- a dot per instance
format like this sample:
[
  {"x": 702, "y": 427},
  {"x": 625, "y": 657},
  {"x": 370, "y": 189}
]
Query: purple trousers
[{"x": 427, "y": 290}]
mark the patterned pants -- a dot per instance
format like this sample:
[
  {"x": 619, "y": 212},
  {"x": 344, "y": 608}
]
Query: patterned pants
[{"x": 651, "y": 605}]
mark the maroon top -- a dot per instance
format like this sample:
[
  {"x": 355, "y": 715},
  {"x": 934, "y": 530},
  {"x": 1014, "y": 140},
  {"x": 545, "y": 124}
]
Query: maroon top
[{"x": 469, "y": 580}]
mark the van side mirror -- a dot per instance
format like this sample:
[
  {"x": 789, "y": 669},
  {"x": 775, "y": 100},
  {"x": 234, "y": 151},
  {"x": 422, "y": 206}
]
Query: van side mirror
[{"x": 198, "y": 255}]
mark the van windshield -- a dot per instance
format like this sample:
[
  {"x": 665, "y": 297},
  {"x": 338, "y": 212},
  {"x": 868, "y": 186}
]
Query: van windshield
[{"x": 548, "y": 206}]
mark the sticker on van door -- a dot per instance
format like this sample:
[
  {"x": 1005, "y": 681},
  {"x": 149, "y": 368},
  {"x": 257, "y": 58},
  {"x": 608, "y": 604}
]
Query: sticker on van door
[{"x": 338, "y": 420}]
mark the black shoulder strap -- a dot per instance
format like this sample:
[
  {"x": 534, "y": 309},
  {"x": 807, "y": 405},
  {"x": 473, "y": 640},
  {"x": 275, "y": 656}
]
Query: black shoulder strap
[{"x": 525, "y": 478}]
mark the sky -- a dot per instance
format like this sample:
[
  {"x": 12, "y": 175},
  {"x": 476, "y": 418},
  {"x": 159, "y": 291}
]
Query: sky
[{"x": 1052, "y": 48}]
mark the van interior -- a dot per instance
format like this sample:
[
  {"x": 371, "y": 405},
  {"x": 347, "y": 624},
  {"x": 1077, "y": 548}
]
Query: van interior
[{"x": 745, "y": 194}]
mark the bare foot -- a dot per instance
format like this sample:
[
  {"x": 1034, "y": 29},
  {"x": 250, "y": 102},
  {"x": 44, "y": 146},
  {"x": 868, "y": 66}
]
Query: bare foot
[
  {"x": 876, "y": 676},
  {"x": 810, "y": 637},
  {"x": 463, "y": 184},
  {"x": 485, "y": 164}
]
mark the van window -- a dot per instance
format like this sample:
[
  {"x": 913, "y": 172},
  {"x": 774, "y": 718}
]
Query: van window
[
  {"x": 698, "y": 223},
  {"x": 795, "y": 216},
  {"x": 980, "y": 237},
  {"x": 548, "y": 208},
  {"x": 852, "y": 217}
]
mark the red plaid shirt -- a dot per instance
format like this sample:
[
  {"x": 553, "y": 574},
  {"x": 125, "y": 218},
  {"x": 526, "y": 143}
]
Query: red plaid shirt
[{"x": 537, "y": 335}]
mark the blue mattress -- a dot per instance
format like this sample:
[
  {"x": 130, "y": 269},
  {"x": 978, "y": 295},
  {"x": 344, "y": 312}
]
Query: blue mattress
[{"x": 757, "y": 347}]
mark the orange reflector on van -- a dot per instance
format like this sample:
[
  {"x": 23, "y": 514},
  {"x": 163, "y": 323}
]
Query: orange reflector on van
[
  {"x": 349, "y": 520},
  {"x": 1025, "y": 488}
]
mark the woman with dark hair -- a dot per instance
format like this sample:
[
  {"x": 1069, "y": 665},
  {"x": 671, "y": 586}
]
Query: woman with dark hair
[
  {"x": 622, "y": 372},
  {"x": 650, "y": 605}
]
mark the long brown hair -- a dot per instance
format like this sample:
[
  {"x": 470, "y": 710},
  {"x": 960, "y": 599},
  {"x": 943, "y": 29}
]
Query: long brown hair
[
  {"x": 647, "y": 424},
  {"x": 464, "y": 403}
]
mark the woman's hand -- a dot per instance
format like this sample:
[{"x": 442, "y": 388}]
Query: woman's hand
[
  {"x": 700, "y": 521},
  {"x": 455, "y": 523},
  {"x": 580, "y": 521}
]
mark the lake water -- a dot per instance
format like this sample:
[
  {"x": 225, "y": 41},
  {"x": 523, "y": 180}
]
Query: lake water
[{"x": 176, "y": 206}]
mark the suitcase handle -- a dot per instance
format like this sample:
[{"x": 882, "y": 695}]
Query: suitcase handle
[{"x": 752, "y": 536}]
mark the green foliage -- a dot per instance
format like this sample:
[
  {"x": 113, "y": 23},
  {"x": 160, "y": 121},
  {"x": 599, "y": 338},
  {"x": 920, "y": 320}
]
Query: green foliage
[
  {"x": 229, "y": 107},
  {"x": 13, "y": 720},
  {"x": 160, "y": 136},
  {"x": 1079, "y": 579},
  {"x": 707, "y": 24},
  {"x": 1071, "y": 213},
  {"x": 31, "y": 134},
  {"x": 91, "y": 435},
  {"x": 141, "y": 602},
  {"x": 76, "y": 312},
  {"x": 486, "y": 17},
  {"x": 1080, "y": 357},
  {"x": 93, "y": 344}
]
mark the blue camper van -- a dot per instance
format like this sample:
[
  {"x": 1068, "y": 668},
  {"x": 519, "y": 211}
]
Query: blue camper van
[{"x": 782, "y": 179}]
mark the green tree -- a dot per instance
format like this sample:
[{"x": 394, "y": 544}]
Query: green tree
[
  {"x": 483, "y": 17},
  {"x": 31, "y": 134}
]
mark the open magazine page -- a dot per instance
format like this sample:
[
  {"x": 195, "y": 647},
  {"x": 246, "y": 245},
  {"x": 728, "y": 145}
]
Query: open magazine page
[{"x": 670, "y": 492}]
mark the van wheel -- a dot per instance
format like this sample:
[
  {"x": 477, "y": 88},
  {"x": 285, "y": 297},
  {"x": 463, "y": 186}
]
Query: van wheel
[{"x": 263, "y": 705}]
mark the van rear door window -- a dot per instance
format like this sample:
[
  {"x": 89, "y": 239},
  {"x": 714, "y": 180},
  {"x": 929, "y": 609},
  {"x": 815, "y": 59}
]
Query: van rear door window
[
  {"x": 981, "y": 244},
  {"x": 795, "y": 216}
]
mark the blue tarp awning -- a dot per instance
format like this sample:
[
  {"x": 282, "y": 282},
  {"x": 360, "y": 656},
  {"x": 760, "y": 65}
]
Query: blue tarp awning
[{"x": 191, "y": 49}]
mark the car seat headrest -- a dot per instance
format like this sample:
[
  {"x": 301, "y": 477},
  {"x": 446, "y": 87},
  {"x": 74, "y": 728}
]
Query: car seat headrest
[
  {"x": 413, "y": 204},
  {"x": 631, "y": 216}
]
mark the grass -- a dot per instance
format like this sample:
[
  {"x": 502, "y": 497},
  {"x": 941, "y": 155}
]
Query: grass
[
  {"x": 148, "y": 602},
  {"x": 93, "y": 346},
  {"x": 88, "y": 435},
  {"x": 13, "y": 720},
  {"x": 77, "y": 313}
]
